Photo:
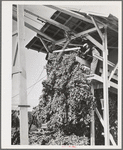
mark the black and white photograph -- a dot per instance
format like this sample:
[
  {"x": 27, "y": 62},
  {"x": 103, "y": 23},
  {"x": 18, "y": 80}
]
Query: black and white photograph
[{"x": 63, "y": 74}]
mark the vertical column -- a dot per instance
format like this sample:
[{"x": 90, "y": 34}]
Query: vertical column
[
  {"x": 105, "y": 89},
  {"x": 22, "y": 77},
  {"x": 92, "y": 123}
]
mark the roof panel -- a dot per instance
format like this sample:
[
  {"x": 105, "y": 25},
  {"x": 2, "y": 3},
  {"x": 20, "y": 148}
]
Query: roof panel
[
  {"x": 65, "y": 16},
  {"x": 60, "y": 20},
  {"x": 55, "y": 15},
  {"x": 77, "y": 25}
]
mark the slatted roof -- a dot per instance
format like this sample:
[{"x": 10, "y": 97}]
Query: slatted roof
[{"x": 76, "y": 24}]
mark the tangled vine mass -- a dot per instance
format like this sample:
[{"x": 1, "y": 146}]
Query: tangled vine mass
[
  {"x": 65, "y": 106},
  {"x": 66, "y": 103}
]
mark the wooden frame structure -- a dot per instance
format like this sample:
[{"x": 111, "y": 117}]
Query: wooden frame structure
[
  {"x": 103, "y": 47},
  {"x": 20, "y": 51}
]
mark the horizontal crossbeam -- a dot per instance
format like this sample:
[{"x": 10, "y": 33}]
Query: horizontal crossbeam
[
  {"x": 100, "y": 79},
  {"x": 96, "y": 77},
  {"x": 101, "y": 58}
]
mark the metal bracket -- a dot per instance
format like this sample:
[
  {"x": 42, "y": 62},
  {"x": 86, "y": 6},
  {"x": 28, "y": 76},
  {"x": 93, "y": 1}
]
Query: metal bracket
[
  {"x": 23, "y": 105},
  {"x": 16, "y": 72}
]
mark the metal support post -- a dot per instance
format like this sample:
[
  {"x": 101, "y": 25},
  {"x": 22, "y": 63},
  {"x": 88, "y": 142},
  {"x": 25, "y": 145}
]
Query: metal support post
[
  {"x": 92, "y": 124},
  {"x": 22, "y": 77},
  {"x": 105, "y": 89}
]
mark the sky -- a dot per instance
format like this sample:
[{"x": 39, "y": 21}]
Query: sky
[{"x": 35, "y": 61}]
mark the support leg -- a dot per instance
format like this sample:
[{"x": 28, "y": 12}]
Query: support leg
[
  {"x": 92, "y": 124},
  {"x": 105, "y": 90},
  {"x": 22, "y": 77}
]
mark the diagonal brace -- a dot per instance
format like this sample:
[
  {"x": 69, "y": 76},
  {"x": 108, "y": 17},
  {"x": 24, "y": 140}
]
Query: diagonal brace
[
  {"x": 45, "y": 46},
  {"x": 95, "y": 42},
  {"x": 102, "y": 122},
  {"x": 101, "y": 58},
  {"x": 97, "y": 27},
  {"x": 63, "y": 49},
  {"x": 113, "y": 71}
]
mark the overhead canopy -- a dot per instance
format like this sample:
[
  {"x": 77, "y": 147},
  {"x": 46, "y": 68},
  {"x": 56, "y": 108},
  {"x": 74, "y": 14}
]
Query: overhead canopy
[{"x": 77, "y": 23}]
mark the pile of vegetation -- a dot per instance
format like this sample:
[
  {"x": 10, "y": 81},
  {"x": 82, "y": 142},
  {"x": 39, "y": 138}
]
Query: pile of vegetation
[
  {"x": 65, "y": 106},
  {"x": 15, "y": 131},
  {"x": 66, "y": 103}
]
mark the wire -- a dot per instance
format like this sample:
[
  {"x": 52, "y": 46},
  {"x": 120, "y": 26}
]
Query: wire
[
  {"x": 36, "y": 81},
  {"x": 40, "y": 74},
  {"x": 30, "y": 86}
]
